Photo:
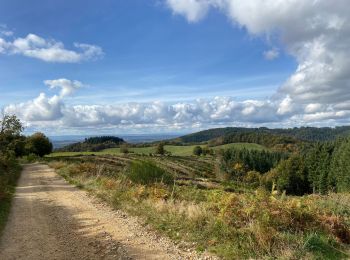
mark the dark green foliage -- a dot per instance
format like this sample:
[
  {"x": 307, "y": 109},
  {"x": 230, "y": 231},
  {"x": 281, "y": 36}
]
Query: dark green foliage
[
  {"x": 11, "y": 145},
  {"x": 302, "y": 133},
  {"x": 207, "y": 151},
  {"x": 145, "y": 172},
  {"x": 9, "y": 174},
  {"x": 160, "y": 148},
  {"x": 38, "y": 144},
  {"x": 318, "y": 162},
  {"x": 234, "y": 160},
  {"x": 104, "y": 139},
  {"x": 197, "y": 150},
  {"x": 341, "y": 166},
  {"x": 292, "y": 176},
  {"x": 94, "y": 144},
  {"x": 328, "y": 166},
  {"x": 11, "y": 140}
]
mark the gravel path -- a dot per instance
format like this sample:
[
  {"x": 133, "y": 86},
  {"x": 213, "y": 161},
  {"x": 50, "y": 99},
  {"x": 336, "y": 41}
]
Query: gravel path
[{"x": 51, "y": 219}]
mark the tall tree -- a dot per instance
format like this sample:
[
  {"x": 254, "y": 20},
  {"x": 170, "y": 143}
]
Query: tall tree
[{"x": 39, "y": 144}]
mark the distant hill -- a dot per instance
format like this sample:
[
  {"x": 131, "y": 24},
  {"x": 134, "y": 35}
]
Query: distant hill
[
  {"x": 93, "y": 144},
  {"x": 302, "y": 133}
]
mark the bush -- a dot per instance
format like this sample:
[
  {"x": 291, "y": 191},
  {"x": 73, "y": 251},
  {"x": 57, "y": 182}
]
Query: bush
[
  {"x": 124, "y": 148},
  {"x": 197, "y": 150},
  {"x": 145, "y": 172},
  {"x": 31, "y": 157},
  {"x": 252, "y": 178},
  {"x": 160, "y": 149}
]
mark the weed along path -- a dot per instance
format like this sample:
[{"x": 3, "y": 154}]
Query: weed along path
[{"x": 51, "y": 219}]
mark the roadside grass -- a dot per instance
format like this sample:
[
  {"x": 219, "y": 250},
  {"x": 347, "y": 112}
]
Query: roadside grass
[
  {"x": 8, "y": 180},
  {"x": 176, "y": 150},
  {"x": 231, "y": 225}
]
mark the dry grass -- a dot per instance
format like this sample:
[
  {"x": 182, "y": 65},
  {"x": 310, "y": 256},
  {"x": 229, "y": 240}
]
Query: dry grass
[{"x": 232, "y": 225}]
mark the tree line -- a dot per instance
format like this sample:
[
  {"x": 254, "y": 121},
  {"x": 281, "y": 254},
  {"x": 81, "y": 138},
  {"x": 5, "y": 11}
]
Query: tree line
[
  {"x": 94, "y": 144},
  {"x": 13, "y": 145},
  {"x": 311, "y": 134},
  {"x": 320, "y": 167}
]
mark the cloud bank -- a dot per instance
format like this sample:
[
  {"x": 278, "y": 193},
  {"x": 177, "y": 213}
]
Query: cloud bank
[
  {"x": 47, "y": 50},
  {"x": 53, "y": 112}
]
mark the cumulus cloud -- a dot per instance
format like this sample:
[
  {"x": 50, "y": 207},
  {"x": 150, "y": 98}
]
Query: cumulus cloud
[
  {"x": 54, "y": 111},
  {"x": 44, "y": 108},
  {"x": 67, "y": 86},
  {"x": 49, "y": 50},
  {"x": 316, "y": 33}
]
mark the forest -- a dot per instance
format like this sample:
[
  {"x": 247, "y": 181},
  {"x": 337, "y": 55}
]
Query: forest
[{"x": 94, "y": 144}]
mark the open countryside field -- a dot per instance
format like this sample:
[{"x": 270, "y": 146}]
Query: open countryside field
[
  {"x": 176, "y": 150},
  {"x": 229, "y": 220}
]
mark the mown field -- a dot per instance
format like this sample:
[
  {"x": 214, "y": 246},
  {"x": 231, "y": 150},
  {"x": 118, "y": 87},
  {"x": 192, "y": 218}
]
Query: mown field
[{"x": 176, "y": 150}]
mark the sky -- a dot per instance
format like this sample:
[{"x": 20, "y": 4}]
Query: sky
[{"x": 174, "y": 66}]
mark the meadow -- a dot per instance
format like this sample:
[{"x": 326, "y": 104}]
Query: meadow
[
  {"x": 175, "y": 150},
  {"x": 191, "y": 200}
]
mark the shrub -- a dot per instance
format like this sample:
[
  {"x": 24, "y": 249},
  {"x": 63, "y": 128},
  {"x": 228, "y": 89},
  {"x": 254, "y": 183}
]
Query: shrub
[
  {"x": 124, "y": 148},
  {"x": 160, "y": 149},
  {"x": 31, "y": 157},
  {"x": 197, "y": 150},
  {"x": 252, "y": 178},
  {"x": 145, "y": 172}
]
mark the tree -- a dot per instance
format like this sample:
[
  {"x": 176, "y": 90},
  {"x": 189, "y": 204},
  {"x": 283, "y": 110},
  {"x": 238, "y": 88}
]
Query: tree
[
  {"x": 39, "y": 144},
  {"x": 341, "y": 166},
  {"x": 160, "y": 149},
  {"x": 197, "y": 150},
  {"x": 124, "y": 148},
  {"x": 10, "y": 135},
  {"x": 10, "y": 125},
  {"x": 292, "y": 176},
  {"x": 207, "y": 151}
]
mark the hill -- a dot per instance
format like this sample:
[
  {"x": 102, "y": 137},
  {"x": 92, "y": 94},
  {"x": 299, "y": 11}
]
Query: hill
[
  {"x": 311, "y": 134},
  {"x": 93, "y": 144}
]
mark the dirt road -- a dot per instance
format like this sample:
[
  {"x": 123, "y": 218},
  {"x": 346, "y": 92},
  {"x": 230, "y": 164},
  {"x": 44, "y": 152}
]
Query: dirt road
[{"x": 51, "y": 219}]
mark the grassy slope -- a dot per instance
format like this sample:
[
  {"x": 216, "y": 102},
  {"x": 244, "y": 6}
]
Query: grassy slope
[
  {"x": 174, "y": 149},
  {"x": 232, "y": 225}
]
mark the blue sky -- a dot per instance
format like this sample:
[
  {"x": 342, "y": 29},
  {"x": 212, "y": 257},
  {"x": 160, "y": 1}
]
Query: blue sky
[{"x": 153, "y": 51}]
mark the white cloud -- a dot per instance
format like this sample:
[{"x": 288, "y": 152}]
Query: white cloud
[
  {"x": 194, "y": 10},
  {"x": 316, "y": 33},
  {"x": 45, "y": 108},
  {"x": 271, "y": 54},
  {"x": 4, "y": 31},
  {"x": 39, "y": 109},
  {"x": 67, "y": 86},
  {"x": 49, "y": 50},
  {"x": 53, "y": 111}
]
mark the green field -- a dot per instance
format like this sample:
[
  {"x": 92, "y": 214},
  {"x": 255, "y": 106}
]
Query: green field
[{"x": 177, "y": 150}]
